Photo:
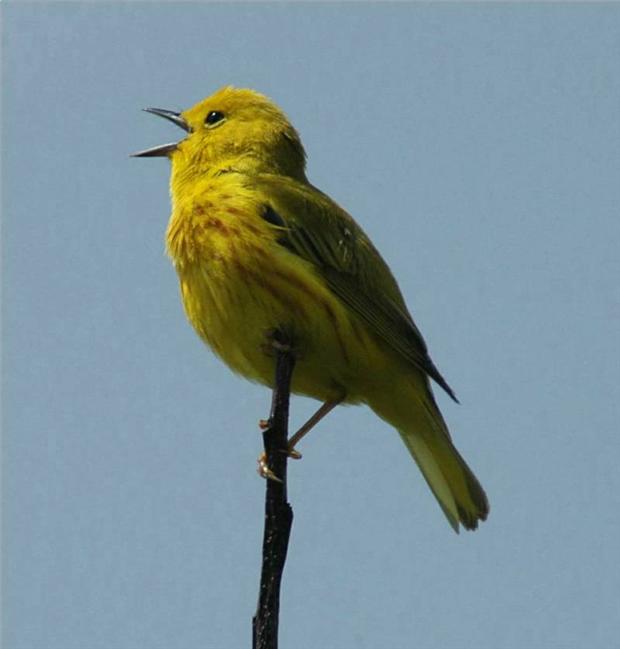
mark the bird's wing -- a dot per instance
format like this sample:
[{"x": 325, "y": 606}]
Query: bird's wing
[{"x": 312, "y": 226}]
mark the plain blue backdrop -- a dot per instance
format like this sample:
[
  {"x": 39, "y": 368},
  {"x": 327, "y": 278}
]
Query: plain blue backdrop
[{"x": 479, "y": 147}]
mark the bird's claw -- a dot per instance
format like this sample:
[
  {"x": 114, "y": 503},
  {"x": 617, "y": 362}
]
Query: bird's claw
[
  {"x": 290, "y": 451},
  {"x": 264, "y": 471},
  {"x": 293, "y": 453},
  {"x": 281, "y": 347},
  {"x": 276, "y": 340}
]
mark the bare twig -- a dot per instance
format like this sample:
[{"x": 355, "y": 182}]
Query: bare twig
[{"x": 278, "y": 512}]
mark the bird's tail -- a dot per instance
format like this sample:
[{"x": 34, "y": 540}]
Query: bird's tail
[{"x": 410, "y": 407}]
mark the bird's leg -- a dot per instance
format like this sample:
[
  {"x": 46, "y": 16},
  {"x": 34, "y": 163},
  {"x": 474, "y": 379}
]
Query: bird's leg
[
  {"x": 326, "y": 408},
  {"x": 277, "y": 340},
  {"x": 263, "y": 469},
  {"x": 273, "y": 341}
]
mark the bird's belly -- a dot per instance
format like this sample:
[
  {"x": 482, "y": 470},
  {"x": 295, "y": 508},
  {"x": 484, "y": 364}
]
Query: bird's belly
[{"x": 235, "y": 307}]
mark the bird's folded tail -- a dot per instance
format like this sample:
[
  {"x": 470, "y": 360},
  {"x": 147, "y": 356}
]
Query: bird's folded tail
[{"x": 411, "y": 409}]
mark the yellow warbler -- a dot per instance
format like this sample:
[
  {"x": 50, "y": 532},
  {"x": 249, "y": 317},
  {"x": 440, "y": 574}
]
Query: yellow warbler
[{"x": 257, "y": 248}]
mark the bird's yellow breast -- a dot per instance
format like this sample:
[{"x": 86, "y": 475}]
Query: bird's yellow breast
[{"x": 238, "y": 284}]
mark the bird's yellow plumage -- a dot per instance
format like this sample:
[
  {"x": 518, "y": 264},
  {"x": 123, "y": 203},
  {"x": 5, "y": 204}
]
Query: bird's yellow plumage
[{"x": 257, "y": 247}]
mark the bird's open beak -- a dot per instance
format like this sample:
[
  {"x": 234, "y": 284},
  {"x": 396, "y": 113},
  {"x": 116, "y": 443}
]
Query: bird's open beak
[{"x": 163, "y": 150}]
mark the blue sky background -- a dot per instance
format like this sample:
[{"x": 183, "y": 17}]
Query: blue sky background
[{"x": 478, "y": 145}]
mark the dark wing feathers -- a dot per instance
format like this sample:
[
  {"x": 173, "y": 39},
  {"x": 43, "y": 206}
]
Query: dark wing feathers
[
  {"x": 388, "y": 321},
  {"x": 352, "y": 267}
]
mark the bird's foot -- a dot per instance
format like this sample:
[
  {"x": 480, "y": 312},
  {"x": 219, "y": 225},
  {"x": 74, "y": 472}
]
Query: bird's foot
[
  {"x": 277, "y": 340},
  {"x": 263, "y": 469},
  {"x": 292, "y": 453}
]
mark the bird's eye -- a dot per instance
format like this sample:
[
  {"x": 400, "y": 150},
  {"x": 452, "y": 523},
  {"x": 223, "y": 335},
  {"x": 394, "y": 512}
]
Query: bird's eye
[{"x": 214, "y": 117}]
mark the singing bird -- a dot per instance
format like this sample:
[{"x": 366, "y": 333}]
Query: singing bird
[{"x": 258, "y": 248}]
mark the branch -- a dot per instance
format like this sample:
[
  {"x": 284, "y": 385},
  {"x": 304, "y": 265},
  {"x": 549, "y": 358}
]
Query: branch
[{"x": 278, "y": 512}]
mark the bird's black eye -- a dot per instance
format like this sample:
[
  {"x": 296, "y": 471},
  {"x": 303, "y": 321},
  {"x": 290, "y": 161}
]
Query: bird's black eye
[{"x": 214, "y": 117}]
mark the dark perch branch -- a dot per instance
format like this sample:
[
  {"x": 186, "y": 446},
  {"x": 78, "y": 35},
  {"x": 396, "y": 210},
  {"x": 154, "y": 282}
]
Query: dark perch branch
[{"x": 278, "y": 513}]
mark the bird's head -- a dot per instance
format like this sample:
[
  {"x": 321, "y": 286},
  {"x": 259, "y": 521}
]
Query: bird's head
[{"x": 232, "y": 129}]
